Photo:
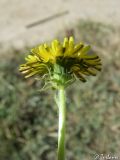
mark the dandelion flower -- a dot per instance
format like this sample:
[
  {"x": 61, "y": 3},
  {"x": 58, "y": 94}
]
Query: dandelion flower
[
  {"x": 60, "y": 64},
  {"x": 67, "y": 60}
]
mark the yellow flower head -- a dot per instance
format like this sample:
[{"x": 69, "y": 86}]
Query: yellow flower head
[{"x": 62, "y": 63}]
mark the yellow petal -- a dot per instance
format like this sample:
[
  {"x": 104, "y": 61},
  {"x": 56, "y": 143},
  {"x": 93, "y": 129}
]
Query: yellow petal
[
  {"x": 78, "y": 47},
  {"x": 83, "y": 51},
  {"x": 56, "y": 48},
  {"x": 71, "y": 42},
  {"x": 92, "y": 71},
  {"x": 44, "y": 54},
  {"x": 32, "y": 73},
  {"x": 69, "y": 46},
  {"x": 65, "y": 43}
]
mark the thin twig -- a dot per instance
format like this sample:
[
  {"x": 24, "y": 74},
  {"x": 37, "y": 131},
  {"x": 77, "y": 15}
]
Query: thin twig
[{"x": 46, "y": 19}]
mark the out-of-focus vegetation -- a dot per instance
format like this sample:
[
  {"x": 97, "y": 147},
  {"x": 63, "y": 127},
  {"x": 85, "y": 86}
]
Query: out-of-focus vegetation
[{"x": 29, "y": 118}]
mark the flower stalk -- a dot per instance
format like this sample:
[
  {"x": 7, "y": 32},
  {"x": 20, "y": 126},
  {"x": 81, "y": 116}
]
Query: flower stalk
[
  {"x": 61, "y": 127},
  {"x": 59, "y": 65}
]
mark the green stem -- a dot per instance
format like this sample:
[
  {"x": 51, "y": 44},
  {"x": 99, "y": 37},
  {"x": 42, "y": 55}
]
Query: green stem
[{"x": 61, "y": 129}]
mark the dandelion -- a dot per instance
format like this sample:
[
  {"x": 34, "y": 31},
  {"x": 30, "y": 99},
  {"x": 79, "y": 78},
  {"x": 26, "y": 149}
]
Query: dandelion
[{"x": 61, "y": 64}]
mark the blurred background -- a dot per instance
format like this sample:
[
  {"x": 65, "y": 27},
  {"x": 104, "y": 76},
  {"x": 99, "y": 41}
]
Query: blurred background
[{"x": 28, "y": 117}]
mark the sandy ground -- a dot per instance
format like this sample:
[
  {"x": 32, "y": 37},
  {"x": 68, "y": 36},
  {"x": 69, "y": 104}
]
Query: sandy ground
[{"x": 27, "y": 22}]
